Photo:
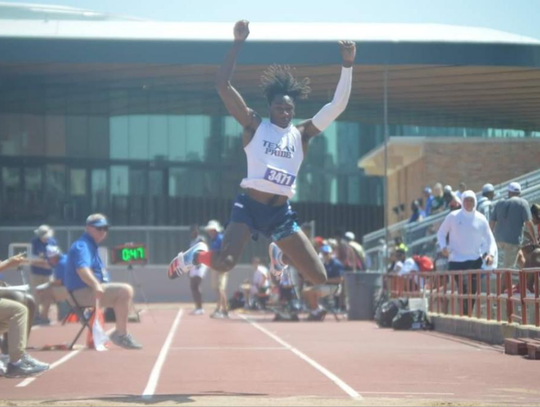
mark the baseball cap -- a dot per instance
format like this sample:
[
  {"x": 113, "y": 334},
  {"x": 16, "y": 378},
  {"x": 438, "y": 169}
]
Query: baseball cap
[
  {"x": 44, "y": 231},
  {"x": 52, "y": 251},
  {"x": 427, "y": 190},
  {"x": 447, "y": 188},
  {"x": 514, "y": 187},
  {"x": 97, "y": 220},
  {"x": 325, "y": 248},
  {"x": 487, "y": 188},
  {"x": 350, "y": 236},
  {"x": 213, "y": 225}
]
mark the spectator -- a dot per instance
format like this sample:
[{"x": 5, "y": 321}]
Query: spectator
[
  {"x": 344, "y": 252},
  {"x": 417, "y": 213},
  {"x": 54, "y": 291},
  {"x": 40, "y": 271},
  {"x": 396, "y": 261},
  {"x": 196, "y": 274},
  {"x": 507, "y": 220},
  {"x": 220, "y": 278},
  {"x": 470, "y": 241},
  {"x": 529, "y": 253},
  {"x": 451, "y": 200},
  {"x": 260, "y": 285},
  {"x": 312, "y": 294},
  {"x": 437, "y": 204},
  {"x": 428, "y": 198},
  {"x": 462, "y": 188},
  {"x": 360, "y": 254},
  {"x": 14, "y": 321},
  {"x": 484, "y": 203},
  {"x": 86, "y": 279}
]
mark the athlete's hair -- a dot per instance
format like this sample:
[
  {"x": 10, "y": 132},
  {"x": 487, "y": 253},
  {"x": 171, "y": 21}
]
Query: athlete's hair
[{"x": 281, "y": 80}]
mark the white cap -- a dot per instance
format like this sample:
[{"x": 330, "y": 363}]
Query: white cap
[
  {"x": 487, "y": 188},
  {"x": 53, "y": 251},
  {"x": 213, "y": 225},
  {"x": 350, "y": 236},
  {"x": 44, "y": 231},
  {"x": 514, "y": 187},
  {"x": 447, "y": 188}
]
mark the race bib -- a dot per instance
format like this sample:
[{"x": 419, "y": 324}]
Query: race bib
[{"x": 279, "y": 177}]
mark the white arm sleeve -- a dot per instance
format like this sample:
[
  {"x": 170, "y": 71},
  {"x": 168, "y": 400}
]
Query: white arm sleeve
[
  {"x": 332, "y": 110},
  {"x": 443, "y": 231}
]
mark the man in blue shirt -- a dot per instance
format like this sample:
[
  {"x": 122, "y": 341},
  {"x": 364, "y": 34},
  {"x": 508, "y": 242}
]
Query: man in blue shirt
[
  {"x": 86, "y": 279},
  {"x": 41, "y": 270},
  {"x": 312, "y": 294}
]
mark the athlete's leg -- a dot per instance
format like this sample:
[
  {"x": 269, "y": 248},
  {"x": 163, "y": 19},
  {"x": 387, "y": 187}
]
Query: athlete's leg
[
  {"x": 301, "y": 253},
  {"x": 234, "y": 240}
]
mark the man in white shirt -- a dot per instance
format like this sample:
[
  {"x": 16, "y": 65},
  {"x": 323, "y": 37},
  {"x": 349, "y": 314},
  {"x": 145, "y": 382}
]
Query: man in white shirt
[{"x": 470, "y": 241}]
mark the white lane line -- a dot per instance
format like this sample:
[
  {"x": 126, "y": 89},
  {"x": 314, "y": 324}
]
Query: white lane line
[
  {"x": 340, "y": 383},
  {"x": 229, "y": 348},
  {"x": 59, "y": 362},
  {"x": 408, "y": 393},
  {"x": 156, "y": 371}
]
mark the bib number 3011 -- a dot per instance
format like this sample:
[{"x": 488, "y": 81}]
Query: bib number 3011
[{"x": 279, "y": 177}]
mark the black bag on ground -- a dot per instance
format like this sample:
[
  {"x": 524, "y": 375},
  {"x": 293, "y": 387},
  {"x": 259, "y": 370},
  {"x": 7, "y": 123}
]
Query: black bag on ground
[
  {"x": 237, "y": 301},
  {"x": 386, "y": 312},
  {"x": 406, "y": 319}
]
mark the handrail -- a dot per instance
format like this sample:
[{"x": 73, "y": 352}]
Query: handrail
[
  {"x": 530, "y": 183},
  {"x": 466, "y": 292}
]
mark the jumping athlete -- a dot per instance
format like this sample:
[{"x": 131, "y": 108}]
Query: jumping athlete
[{"x": 275, "y": 150}]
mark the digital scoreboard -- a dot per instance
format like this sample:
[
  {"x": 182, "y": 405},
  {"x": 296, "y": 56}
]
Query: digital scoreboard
[{"x": 130, "y": 253}]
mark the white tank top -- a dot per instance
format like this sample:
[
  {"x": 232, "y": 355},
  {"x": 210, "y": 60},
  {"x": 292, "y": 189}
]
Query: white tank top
[{"x": 274, "y": 156}]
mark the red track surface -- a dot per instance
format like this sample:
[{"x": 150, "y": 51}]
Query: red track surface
[{"x": 233, "y": 358}]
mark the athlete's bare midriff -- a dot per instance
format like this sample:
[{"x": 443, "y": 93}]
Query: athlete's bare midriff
[{"x": 266, "y": 198}]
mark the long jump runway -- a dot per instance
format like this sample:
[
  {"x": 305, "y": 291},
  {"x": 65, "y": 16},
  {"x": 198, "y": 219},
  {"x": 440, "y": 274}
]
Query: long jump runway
[{"x": 250, "y": 360}]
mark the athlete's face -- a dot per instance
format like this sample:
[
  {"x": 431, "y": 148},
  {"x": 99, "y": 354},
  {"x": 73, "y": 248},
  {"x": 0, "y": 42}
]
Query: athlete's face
[{"x": 282, "y": 110}]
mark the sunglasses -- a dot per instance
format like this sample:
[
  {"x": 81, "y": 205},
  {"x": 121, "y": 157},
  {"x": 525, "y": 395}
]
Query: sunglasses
[{"x": 102, "y": 228}]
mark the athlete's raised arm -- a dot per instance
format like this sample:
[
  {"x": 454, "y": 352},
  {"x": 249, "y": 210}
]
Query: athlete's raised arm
[
  {"x": 234, "y": 102},
  {"x": 332, "y": 110}
]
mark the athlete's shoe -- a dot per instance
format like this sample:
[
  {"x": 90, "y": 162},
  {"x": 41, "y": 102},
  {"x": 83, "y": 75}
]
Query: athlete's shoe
[
  {"x": 276, "y": 259},
  {"x": 183, "y": 263},
  {"x": 197, "y": 311}
]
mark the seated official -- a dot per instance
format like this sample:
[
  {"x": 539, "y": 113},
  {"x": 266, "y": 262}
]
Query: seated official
[
  {"x": 312, "y": 294},
  {"x": 87, "y": 279}
]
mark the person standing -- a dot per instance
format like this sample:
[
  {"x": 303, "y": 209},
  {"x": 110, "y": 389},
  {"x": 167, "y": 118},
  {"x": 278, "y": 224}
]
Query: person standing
[
  {"x": 197, "y": 274},
  {"x": 507, "y": 220},
  {"x": 484, "y": 205},
  {"x": 470, "y": 241}
]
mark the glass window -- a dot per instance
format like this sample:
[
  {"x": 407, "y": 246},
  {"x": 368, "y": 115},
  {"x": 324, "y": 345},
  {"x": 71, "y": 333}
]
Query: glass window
[
  {"x": 55, "y": 136},
  {"x": 10, "y": 134},
  {"x": 33, "y": 187},
  {"x": 32, "y": 135},
  {"x": 119, "y": 139},
  {"x": 156, "y": 183},
  {"x": 138, "y": 182},
  {"x": 194, "y": 182},
  {"x": 77, "y": 136},
  {"x": 11, "y": 184},
  {"x": 188, "y": 136},
  {"x": 99, "y": 187},
  {"x": 119, "y": 180},
  {"x": 77, "y": 182},
  {"x": 159, "y": 136},
  {"x": 98, "y": 137},
  {"x": 138, "y": 137}
]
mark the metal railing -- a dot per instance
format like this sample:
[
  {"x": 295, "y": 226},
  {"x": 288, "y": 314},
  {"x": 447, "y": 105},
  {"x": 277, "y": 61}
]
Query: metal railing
[
  {"x": 485, "y": 294},
  {"x": 527, "y": 181}
]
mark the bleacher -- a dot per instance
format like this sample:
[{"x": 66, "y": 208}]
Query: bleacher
[{"x": 420, "y": 237}]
